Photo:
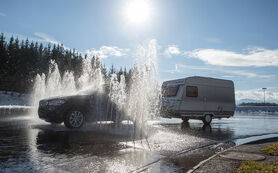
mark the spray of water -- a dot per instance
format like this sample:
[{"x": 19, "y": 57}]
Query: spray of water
[
  {"x": 138, "y": 102},
  {"x": 143, "y": 95}
]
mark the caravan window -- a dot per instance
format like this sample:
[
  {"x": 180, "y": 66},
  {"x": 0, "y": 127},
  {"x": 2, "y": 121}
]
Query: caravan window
[
  {"x": 191, "y": 91},
  {"x": 170, "y": 91}
]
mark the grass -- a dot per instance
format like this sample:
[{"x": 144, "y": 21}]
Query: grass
[
  {"x": 271, "y": 149},
  {"x": 252, "y": 166}
]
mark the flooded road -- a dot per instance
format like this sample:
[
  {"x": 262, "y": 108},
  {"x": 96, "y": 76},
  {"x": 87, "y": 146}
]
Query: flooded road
[{"x": 27, "y": 144}]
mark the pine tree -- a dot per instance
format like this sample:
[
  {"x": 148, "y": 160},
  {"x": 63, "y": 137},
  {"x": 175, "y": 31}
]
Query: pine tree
[
  {"x": 21, "y": 61},
  {"x": 120, "y": 72},
  {"x": 112, "y": 70},
  {"x": 104, "y": 71},
  {"x": 11, "y": 58},
  {"x": 3, "y": 56}
]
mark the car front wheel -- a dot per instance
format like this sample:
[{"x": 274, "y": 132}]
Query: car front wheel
[{"x": 74, "y": 119}]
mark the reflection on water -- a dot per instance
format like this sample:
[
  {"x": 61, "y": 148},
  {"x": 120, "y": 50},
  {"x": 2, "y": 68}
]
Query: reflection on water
[
  {"x": 207, "y": 131},
  {"x": 249, "y": 124},
  {"x": 74, "y": 143},
  {"x": 240, "y": 126},
  {"x": 31, "y": 146},
  {"x": 92, "y": 148}
]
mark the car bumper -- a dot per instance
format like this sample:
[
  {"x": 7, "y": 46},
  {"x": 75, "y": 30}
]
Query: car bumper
[{"x": 51, "y": 115}]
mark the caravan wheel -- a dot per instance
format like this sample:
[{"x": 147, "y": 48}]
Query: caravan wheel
[
  {"x": 184, "y": 119},
  {"x": 207, "y": 119}
]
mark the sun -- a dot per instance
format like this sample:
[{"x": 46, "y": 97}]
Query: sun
[{"x": 137, "y": 11}]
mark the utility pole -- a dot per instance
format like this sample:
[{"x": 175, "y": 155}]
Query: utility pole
[{"x": 264, "y": 94}]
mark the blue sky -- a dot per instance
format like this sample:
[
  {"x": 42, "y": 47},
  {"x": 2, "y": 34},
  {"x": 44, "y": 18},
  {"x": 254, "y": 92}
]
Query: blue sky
[{"x": 233, "y": 39}]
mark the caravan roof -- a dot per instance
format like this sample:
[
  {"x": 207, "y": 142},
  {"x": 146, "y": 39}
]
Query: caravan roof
[{"x": 198, "y": 80}]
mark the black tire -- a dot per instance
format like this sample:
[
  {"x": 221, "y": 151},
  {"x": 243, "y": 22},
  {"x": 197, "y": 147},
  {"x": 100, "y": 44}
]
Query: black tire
[
  {"x": 184, "y": 119},
  {"x": 207, "y": 119},
  {"x": 74, "y": 119}
]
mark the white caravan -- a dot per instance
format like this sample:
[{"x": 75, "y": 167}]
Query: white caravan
[{"x": 197, "y": 97}]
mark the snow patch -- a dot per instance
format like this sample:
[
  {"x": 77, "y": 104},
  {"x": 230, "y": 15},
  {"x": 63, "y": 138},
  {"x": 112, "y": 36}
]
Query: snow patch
[{"x": 14, "y": 98}]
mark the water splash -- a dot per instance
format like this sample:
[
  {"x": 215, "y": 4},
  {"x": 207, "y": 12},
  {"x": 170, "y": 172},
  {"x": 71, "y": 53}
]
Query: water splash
[
  {"x": 144, "y": 93},
  {"x": 117, "y": 94},
  {"x": 138, "y": 101},
  {"x": 91, "y": 78}
]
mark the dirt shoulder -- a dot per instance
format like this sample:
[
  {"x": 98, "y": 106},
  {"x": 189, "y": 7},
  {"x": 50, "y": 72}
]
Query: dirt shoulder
[{"x": 220, "y": 164}]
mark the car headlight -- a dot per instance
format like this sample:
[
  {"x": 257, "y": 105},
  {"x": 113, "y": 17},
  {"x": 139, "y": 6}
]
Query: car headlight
[
  {"x": 57, "y": 102},
  {"x": 43, "y": 103}
]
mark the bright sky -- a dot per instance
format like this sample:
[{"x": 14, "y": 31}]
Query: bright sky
[{"x": 233, "y": 39}]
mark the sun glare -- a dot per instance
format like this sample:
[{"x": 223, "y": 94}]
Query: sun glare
[{"x": 137, "y": 11}]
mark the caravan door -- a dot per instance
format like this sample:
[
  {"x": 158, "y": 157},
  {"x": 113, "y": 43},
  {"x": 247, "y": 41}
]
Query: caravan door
[{"x": 191, "y": 100}]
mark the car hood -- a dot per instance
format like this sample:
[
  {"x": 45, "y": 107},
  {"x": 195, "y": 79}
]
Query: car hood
[{"x": 65, "y": 97}]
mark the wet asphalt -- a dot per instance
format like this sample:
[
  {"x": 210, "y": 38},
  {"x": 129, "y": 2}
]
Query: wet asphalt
[{"x": 31, "y": 145}]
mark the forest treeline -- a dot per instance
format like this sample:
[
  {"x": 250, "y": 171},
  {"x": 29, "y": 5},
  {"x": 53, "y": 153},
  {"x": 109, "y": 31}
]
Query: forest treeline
[{"x": 22, "y": 60}]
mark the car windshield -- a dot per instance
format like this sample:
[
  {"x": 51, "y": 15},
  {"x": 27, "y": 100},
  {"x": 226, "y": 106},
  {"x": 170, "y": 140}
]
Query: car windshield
[
  {"x": 84, "y": 92},
  {"x": 170, "y": 91}
]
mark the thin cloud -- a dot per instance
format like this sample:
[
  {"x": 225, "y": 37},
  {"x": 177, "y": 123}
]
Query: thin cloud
[
  {"x": 245, "y": 73},
  {"x": 21, "y": 37},
  {"x": 179, "y": 69},
  {"x": 47, "y": 38},
  {"x": 172, "y": 50},
  {"x": 256, "y": 94},
  {"x": 106, "y": 51},
  {"x": 39, "y": 37},
  {"x": 258, "y": 57},
  {"x": 3, "y": 14}
]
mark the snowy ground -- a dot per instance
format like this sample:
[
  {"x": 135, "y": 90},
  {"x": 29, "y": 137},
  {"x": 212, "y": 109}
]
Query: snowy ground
[{"x": 14, "y": 98}]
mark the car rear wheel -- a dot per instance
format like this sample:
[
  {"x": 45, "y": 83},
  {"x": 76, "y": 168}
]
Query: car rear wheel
[
  {"x": 207, "y": 119},
  {"x": 74, "y": 119}
]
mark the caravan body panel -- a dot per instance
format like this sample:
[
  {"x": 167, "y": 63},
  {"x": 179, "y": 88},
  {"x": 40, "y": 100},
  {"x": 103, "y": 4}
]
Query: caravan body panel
[{"x": 194, "y": 97}]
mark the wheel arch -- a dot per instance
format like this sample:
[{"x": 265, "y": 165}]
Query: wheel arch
[{"x": 209, "y": 113}]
